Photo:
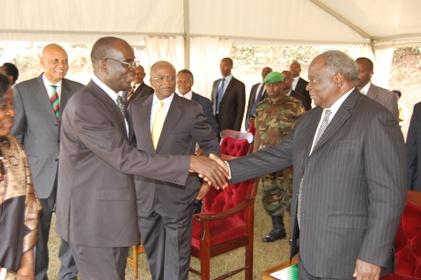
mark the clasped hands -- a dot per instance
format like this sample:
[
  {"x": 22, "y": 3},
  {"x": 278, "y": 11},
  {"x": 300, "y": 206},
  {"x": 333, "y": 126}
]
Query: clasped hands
[{"x": 213, "y": 170}]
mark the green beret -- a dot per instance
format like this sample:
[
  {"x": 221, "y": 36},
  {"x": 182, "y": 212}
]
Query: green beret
[{"x": 274, "y": 77}]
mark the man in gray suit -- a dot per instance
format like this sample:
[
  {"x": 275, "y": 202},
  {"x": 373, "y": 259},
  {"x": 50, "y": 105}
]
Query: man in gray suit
[
  {"x": 349, "y": 176},
  {"x": 39, "y": 103},
  {"x": 96, "y": 202},
  {"x": 383, "y": 96},
  {"x": 165, "y": 209}
]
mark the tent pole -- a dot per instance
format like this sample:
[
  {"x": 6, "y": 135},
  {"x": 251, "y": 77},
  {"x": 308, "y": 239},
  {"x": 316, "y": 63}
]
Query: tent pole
[{"x": 186, "y": 36}]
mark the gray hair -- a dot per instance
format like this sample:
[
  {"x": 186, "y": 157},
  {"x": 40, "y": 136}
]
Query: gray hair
[{"x": 340, "y": 62}]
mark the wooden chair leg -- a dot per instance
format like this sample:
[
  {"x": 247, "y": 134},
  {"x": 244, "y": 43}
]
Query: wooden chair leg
[
  {"x": 249, "y": 261},
  {"x": 205, "y": 263}
]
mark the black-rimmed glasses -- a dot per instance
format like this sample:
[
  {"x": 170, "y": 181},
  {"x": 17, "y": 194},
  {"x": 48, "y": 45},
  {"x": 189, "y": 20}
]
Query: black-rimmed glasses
[{"x": 132, "y": 64}]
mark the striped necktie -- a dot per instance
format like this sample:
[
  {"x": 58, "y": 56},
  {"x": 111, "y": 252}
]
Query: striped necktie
[{"x": 55, "y": 101}]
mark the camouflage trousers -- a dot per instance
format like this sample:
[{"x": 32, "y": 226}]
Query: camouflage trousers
[{"x": 277, "y": 192}]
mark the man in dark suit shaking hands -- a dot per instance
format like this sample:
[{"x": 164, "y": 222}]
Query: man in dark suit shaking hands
[
  {"x": 96, "y": 201},
  {"x": 349, "y": 176},
  {"x": 228, "y": 98}
]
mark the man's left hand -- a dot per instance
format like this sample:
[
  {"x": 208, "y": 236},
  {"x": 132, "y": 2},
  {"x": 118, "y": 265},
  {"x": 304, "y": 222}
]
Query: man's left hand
[
  {"x": 366, "y": 271},
  {"x": 204, "y": 189}
]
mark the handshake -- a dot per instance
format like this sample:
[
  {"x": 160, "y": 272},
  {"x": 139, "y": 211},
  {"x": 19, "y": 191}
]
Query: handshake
[{"x": 212, "y": 169}]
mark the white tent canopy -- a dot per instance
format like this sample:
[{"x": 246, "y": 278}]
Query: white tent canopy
[{"x": 379, "y": 22}]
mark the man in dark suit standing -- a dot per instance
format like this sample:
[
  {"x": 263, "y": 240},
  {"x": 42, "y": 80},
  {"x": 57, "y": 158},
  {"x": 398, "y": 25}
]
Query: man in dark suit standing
[
  {"x": 96, "y": 201},
  {"x": 39, "y": 103},
  {"x": 349, "y": 176},
  {"x": 413, "y": 148},
  {"x": 228, "y": 98},
  {"x": 257, "y": 94},
  {"x": 168, "y": 124},
  {"x": 139, "y": 88},
  {"x": 299, "y": 84},
  {"x": 288, "y": 88},
  {"x": 383, "y": 96},
  {"x": 185, "y": 82}
]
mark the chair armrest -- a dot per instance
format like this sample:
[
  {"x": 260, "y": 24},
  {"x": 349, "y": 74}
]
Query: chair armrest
[{"x": 204, "y": 217}]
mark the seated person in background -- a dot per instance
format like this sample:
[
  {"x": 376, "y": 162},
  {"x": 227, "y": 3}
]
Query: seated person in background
[{"x": 19, "y": 208}]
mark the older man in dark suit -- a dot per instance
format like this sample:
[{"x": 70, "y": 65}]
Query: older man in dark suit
[
  {"x": 228, "y": 98},
  {"x": 39, "y": 103},
  {"x": 381, "y": 95},
  {"x": 96, "y": 201},
  {"x": 167, "y": 124},
  {"x": 349, "y": 176}
]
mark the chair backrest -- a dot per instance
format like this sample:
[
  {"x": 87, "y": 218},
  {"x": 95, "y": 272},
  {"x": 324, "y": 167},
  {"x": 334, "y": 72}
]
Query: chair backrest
[
  {"x": 408, "y": 239},
  {"x": 221, "y": 200},
  {"x": 235, "y": 143}
]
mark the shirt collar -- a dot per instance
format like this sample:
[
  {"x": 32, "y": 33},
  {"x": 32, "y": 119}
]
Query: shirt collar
[
  {"x": 111, "y": 93},
  {"x": 167, "y": 101},
  {"x": 188, "y": 95},
  {"x": 48, "y": 84},
  {"x": 365, "y": 89},
  {"x": 335, "y": 106}
]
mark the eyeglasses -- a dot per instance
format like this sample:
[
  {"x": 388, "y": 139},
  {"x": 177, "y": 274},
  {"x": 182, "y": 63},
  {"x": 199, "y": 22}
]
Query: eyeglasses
[
  {"x": 161, "y": 79},
  {"x": 132, "y": 64}
]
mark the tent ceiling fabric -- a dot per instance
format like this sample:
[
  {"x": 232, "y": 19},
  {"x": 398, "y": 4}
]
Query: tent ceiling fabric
[
  {"x": 385, "y": 22},
  {"x": 285, "y": 20}
]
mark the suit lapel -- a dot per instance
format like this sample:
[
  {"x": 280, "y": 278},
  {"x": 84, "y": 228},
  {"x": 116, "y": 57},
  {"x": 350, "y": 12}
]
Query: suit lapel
[
  {"x": 311, "y": 130},
  {"x": 229, "y": 88},
  {"x": 343, "y": 114},
  {"x": 145, "y": 123},
  {"x": 372, "y": 93},
  {"x": 174, "y": 114},
  {"x": 108, "y": 102},
  {"x": 42, "y": 96},
  {"x": 65, "y": 94}
]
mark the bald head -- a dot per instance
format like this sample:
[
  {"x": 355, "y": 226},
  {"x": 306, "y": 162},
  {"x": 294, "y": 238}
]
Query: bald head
[{"x": 54, "y": 62}]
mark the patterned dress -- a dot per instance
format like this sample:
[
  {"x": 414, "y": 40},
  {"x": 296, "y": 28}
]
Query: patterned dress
[
  {"x": 19, "y": 207},
  {"x": 274, "y": 120}
]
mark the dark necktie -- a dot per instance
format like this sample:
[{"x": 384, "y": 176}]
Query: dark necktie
[
  {"x": 122, "y": 102},
  {"x": 219, "y": 95},
  {"x": 55, "y": 101}
]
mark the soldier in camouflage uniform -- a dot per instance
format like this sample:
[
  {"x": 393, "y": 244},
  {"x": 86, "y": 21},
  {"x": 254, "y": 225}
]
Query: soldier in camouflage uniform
[{"x": 275, "y": 116}]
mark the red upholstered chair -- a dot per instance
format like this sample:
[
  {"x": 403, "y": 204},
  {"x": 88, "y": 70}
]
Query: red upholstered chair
[
  {"x": 226, "y": 223},
  {"x": 408, "y": 241},
  {"x": 235, "y": 143}
]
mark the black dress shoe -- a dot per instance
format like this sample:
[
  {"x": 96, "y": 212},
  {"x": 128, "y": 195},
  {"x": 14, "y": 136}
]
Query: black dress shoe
[{"x": 274, "y": 235}]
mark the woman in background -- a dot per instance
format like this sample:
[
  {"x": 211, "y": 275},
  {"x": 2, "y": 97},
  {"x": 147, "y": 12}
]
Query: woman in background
[{"x": 19, "y": 208}]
